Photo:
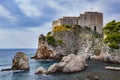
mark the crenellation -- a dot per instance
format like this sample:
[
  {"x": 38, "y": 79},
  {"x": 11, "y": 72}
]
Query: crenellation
[{"x": 94, "y": 20}]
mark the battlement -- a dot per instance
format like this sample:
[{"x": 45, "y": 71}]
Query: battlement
[
  {"x": 94, "y": 20},
  {"x": 70, "y": 17},
  {"x": 92, "y": 13}
]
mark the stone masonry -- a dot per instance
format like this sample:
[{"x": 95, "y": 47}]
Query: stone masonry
[{"x": 94, "y": 20}]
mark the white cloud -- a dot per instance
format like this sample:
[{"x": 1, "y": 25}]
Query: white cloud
[
  {"x": 25, "y": 38},
  {"x": 111, "y": 17},
  {"x": 28, "y": 37},
  {"x": 28, "y": 8},
  {"x": 74, "y": 7},
  {"x": 11, "y": 38},
  {"x": 6, "y": 14},
  {"x": 43, "y": 29}
]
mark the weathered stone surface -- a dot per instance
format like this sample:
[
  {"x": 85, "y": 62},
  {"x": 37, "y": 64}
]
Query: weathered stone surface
[
  {"x": 75, "y": 64},
  {"x": 108, "y": 55},
  {"x": 70, "y": 63},
  {"x": 40, "y": 70},
  {"x": 54, "y": 68},
  {"x": 43, "y": 51},
  {"x": 20, "y": 62},
  {"x": 75, "y": 41}
]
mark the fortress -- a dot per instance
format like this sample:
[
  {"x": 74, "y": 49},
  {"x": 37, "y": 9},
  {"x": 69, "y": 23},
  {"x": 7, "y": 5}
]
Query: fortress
[{"x": 94, "y": 20}]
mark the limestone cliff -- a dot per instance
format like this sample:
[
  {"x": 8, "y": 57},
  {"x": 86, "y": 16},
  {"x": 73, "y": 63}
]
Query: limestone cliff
[
  {"x": 43, "y": 52},
  {"x": 77, "y": 41},
  {"x": 74, "y": 40}
]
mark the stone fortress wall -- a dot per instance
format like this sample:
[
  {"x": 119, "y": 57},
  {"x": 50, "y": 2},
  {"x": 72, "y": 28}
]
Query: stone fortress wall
[{"x": 94, "y": 20}]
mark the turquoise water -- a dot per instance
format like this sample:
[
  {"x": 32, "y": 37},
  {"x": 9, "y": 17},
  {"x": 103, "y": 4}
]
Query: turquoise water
[{"x": 95, "y": 68}]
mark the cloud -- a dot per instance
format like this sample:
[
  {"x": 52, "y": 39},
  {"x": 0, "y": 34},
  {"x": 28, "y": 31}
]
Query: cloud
[
  {"x": 28, "y": 8},
  {"x": 22, "y": 21},
  {"x": 4, "y": 13},
  {"x": 25, "y": 38}
]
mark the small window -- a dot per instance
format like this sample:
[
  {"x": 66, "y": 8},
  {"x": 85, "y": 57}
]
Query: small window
[{"x": 94, "y": 28}]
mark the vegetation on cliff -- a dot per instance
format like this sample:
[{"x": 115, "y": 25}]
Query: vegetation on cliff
[
  {"x": 112, "y": 34},
  {"x": 61, "y": 28},
  {"x": 51, "y": 40}
]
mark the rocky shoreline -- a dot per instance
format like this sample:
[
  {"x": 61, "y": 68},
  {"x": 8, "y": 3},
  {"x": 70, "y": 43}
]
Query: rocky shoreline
[
  {"x": 72, "y": 48},
  {"x": 70, "y": 63},
  {"x": 108, "y": 55}
]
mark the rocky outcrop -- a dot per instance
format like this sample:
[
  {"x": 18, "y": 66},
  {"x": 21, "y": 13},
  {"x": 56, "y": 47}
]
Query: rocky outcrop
[
  {"x": 43, "y": 51},
  {"x": 76, "y": 40},
  {"x": 41, "y": 70},
  {"x": 70, "y": 38},
  {"x": 108, "y": 55},
  {"x": 70, "y": 63},
  {"x": 20, "y": 62}
]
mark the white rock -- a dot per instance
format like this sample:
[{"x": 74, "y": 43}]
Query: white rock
[
  {"x": 40, "y": 70},
  {"x": 70, "y": 63},
  {"x": 76, "y": 64}
]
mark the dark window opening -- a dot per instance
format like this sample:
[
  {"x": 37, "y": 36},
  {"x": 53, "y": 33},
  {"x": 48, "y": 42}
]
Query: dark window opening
[{"x": 94, "y": 28}]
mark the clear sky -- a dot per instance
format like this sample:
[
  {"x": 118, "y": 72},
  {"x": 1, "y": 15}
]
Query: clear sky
[{"x": 22, "y": 21}]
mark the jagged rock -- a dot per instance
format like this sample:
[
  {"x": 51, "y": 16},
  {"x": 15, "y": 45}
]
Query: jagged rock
[
  {"x": 20, "y": 62},
  {"x": 108, "y": 55},
  {"x": 77, "y": 63},
  {"x": 74, "y": 41},
  {"x": 43, "y": 52},
  {"x": 70, "y": 63},
  {"x": 58, "y": 56},
  {"x": 40, "y": 70},
  {"x": 54, "y": 68}
]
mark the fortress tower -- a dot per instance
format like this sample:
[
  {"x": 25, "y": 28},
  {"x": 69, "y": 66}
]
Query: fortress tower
[{"x": 94, "y": 20}]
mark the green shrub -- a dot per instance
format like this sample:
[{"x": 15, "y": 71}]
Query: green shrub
[
  {"x": 59, "y": 42},
  {"x": 114, "y": 45},
  {"x": 42, "y": 37},
  {"x": 77, "y": 26},
  {"x": 87, "y": 28},
  {"x": 51, "y": 40},
  {"x": 67, "y": 26},
  {"x": 49, "y": 33},
  {"x": 96, "y": 35}
]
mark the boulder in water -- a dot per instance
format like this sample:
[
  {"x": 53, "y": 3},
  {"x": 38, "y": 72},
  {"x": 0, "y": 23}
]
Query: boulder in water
[
  {"x": 20, "y": 62},
  {"x": 70, "y": 63},
  {"x": 40, "y": 70}
]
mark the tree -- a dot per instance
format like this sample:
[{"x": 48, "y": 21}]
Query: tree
[{"x": 112, "y": 32}]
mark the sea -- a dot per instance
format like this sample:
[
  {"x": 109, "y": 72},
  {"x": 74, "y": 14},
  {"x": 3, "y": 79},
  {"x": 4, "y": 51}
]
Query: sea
[{"x": 95, "y": 68}]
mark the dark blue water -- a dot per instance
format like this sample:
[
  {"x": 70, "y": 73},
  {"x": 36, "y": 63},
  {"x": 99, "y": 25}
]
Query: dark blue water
[{"x": 95, "y": 68}]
